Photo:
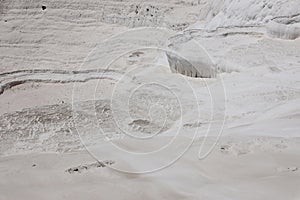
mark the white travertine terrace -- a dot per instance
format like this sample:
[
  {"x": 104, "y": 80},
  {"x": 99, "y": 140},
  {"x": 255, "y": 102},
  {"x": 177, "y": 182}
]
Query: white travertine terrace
[{"x": 78, "y": 75}]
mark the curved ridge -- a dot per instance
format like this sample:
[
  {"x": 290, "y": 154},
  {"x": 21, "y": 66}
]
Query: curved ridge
[{"x": 19, "y": 77}]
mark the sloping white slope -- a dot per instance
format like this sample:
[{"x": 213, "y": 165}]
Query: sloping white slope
[{"x": 282, "y": 14}]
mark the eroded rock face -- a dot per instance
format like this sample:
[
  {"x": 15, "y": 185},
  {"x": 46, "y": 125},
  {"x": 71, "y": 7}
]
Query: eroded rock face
[
  {"x": 198, "y": 69},
  {"x": 189, "y": 58}
]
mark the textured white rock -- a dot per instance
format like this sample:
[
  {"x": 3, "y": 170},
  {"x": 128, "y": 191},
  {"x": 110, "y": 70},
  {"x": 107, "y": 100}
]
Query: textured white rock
[
  {"x": 251, "y": 13},
  {"x": 189, "y": 58},
  {"x": 283, "y": 31},
  {"x": 43, "y": 50}
]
